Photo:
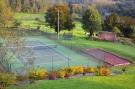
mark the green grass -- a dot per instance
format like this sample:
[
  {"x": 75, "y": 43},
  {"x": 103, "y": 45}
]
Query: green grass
[
  {"x": 123, "y": 81},
  {"x": 28, "y": 21},
  {"x": 26, "y": 16}
]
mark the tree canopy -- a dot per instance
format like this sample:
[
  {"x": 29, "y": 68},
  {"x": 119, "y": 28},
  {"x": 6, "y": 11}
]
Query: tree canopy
[
  {"x": 65, "y": 18},
  {"x": 111, "y": 21},
  {"x": 6, "y": 14},
  {"x": 91, "y": 20},
  {"x": 119, "y": 24}
]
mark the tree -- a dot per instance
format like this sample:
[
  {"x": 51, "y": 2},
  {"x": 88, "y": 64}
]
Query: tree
[
  {"x": 116, "y": 30},
  {"x": 65, "y": 19},
  {"x": 111, "y": 22},
  {"x": 91, "y": 21},
  {"x": 119, "y": 24},
  {"x": 6, "y": 79},
  {"x": 124, "y": 8},
  {"x": 127, "y": 31},
  {"x": 6, "y": 14},
  {"x": 126, "y": 26}
]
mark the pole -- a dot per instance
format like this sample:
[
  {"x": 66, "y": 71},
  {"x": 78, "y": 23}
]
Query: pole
[
  {"x": 58, "y": 23},
  {"x": 68, "y": 62},
  {"x": 52, "y": 64}
]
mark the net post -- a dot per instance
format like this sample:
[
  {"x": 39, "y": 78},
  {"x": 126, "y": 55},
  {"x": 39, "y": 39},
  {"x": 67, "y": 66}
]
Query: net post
[
  {"x": 68, "y": 62},
  {"x": 87, "y": 64},
  {"x": 52, "y": 64}
]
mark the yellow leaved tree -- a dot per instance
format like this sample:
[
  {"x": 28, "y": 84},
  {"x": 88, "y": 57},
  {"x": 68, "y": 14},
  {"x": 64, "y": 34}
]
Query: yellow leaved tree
[{"x": 6, "y": 14}]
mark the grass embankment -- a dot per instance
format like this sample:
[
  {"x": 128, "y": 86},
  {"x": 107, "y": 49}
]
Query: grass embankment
[{"x": 116, "y": 82}]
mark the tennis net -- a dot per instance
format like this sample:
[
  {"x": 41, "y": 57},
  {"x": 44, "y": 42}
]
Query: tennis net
[{"x": 37, "y": 47}]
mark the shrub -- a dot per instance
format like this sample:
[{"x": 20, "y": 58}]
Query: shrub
[
  {"x": 52, "y": 75},
  {"x": 103, "y": 71},
  {"x": 6, "y": 79},
  {"x": 85, "y": 70},
  {"x": 61, "y": 73},
  {"x": 74, "y": 70},
  {"x": 37, "y": 19},
  {"x": 32, "y": 74},
  {"x": 77, "y": 70},
  {"x": 68, "y": 72},
  {"x": 39, "y": 73},
  {"x": 42, "y": 74},
  {"x": 91, "y": 70},
  {"x": 22, "y": 77},
  {"x": 67, "y": 75}
]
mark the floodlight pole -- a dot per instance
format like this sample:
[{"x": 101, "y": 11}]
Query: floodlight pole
[{"x": 58, "y": 23}]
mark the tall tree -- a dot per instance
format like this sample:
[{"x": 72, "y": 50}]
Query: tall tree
[
  {"x": 111, "y": 21},
  {"x": 6, "y": 14},
  {"x": 91, "y": 21},
  {"x": 65, "y": 17}
]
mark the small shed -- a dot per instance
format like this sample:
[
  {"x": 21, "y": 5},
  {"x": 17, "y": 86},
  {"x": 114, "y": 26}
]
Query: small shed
[{"x": 109, "y": 36}]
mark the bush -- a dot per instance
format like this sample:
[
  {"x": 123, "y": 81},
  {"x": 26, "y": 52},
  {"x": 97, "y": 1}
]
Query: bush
[
  {"x": 73, "y": 71},
  {"x": 69, "y": 72},
  {"x": 37, "y": 19},
  {"x": 103, "y": 71},
  {"x": 61, "y": 73},
  {"x": 91, "y": 70},
  {"x": 77, "y": 70},
  {"x": 42, "y": 74},
  {"x": 39, "y": 73},
  {"x": 22, "y": 77},
  {"x": 17, "y": 23},
  {"x": 6, "y": 79},
  {"x": 52, "y": 75}
]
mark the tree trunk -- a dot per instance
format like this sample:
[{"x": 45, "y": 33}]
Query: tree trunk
[{"x": 90, "y": 34}]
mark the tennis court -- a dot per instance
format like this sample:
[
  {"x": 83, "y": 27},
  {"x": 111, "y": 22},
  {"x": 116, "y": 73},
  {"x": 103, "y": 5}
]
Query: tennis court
[
  {"x": 48, "y": 54},
  {"x": 108, "y": 58},
  {"x": 42, "y": 53}
]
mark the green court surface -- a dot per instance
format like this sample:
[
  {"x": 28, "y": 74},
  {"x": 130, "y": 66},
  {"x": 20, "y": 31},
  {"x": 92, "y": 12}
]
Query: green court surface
[{"x": 66, "y": 57}]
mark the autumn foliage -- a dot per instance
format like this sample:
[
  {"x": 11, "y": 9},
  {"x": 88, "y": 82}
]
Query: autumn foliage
[
  {"x": 6, "y": 14},
  {"x": 65, "y": 19}
]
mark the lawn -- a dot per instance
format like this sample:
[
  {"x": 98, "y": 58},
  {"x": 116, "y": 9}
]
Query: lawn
[
  {"x": 28, "y": 21},
  {"x": 123, "y": 81}
]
